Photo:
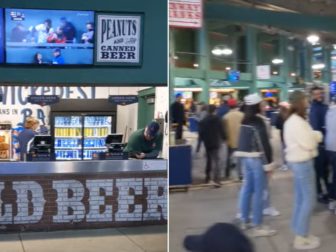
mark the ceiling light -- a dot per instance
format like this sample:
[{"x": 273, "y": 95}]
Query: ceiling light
[
  {"x": 277, "y": 61},
  {"x": 221, "y": 50},
  {"x": 217, "y": 51},
  {"x": 176, "y": 57},
  {"x": 275, "y": 73},
  {"x": 227, "y": 51},
  {"x": 293, "y": 74},
  {"x": 196, "y": 65},
  {"x": 228, "y": 68},
  {"x": 334, "y": 45},
  {"x": 313, "y": 39},
  {"x": 318, "y": 66}
]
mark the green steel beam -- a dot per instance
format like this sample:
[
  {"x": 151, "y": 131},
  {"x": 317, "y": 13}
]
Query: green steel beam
[
  {"x": 251, "y": 43},
  {"x": 222, "y": 11},
  {"x": 204, "y": 60},
  {"x": 284, "y": 68}
]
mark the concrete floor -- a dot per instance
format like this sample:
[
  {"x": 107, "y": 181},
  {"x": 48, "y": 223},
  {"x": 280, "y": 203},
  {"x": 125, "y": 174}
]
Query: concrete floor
[
  {"x": 194, "y": 211},
  {"x": 139, "y": 239}
]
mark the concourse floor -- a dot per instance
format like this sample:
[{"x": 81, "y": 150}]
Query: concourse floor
[
  {"x": 194, "y": 211},
  {"x": 137, "y": 239}
]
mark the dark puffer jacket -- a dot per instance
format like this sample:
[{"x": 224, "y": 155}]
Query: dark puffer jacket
[{"x": 253, "y": 141}]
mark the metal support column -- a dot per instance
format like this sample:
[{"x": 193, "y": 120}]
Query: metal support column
[{"x": 251, "y": 44}]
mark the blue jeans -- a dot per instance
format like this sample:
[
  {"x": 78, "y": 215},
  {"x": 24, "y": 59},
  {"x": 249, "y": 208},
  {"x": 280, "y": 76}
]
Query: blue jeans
[
  {"x": 332, "y": 158},
  {"x": 252, "y": 188},
  {"x": 304, "y": 196}
]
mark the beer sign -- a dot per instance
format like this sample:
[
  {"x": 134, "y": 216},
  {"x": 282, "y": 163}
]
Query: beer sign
[{"x": 119, "y": 39}]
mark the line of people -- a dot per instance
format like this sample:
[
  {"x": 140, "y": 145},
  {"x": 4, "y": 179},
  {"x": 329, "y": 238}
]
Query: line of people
[{"x": 308, "y": 140}]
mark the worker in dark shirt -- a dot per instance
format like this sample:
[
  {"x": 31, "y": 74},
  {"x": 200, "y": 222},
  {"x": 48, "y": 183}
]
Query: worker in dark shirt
[
  {"x": 178, "y": 116},
  {"x": 145, "y": 143}
]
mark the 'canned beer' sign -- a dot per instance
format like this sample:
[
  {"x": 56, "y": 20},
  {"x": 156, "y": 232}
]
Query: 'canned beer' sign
[{"x": 118, "y": 39}]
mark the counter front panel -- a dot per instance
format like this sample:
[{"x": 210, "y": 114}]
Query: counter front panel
[{"x": 80, "y": 199}]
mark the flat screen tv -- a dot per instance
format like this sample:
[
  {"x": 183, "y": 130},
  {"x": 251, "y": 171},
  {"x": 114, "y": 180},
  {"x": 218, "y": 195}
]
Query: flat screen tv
[
  {"x": 1, "y": 37},
  {"x": 49, "y": 37}
]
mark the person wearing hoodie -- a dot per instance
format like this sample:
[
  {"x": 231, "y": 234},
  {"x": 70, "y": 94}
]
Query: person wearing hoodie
[
  {"x": 231, "y": 123},
  {"x": 317, "y": 115},
  {"x": 212, "y": 134},
  {"x": 255, "y": 152},
  {"x": 301, "y": 149},
  {"x": 330, "y": 144}
]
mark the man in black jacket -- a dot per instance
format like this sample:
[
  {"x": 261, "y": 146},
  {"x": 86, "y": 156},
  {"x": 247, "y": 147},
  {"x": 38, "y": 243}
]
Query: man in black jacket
[
  {"x": 178, "y": 116},
  {"x": 317, "y": 116},
  {"x": 212, "y": 133}
]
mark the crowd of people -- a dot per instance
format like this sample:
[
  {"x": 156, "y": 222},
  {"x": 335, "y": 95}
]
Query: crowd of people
[{"x": 307, "y": 131}]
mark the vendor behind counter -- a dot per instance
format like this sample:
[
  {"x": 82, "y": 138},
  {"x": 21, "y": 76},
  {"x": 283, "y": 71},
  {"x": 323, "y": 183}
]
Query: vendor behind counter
[{"x": 145, "y": 143}]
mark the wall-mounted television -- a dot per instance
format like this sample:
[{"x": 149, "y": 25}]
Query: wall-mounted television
[
  {"x": 49, "y": 37},
  {"x": 1, "y": 37}
]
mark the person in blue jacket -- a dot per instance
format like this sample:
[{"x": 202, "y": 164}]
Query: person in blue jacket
[
  {"x": 317, "y": 116},
  {"x": 58, "y": 58}
]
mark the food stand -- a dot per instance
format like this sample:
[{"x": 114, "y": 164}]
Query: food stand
[{"x": 67, "y": 193}]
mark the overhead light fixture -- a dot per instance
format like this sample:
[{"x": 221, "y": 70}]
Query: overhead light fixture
[
  {"x": 334, "y": 45},
  {"x": 277, "y": 61},
  {"x": 293, "y": 74},
  {"x": 227, "y": 51},
  {"x": 228, "y": 68},
  {"x": 313, "y": 39},
  {"x": 221, "y": 50},
  {"x": 217, "y": 51},
  {"x": 318, "y": 66},
  {"x": 275, "y": 73},
  {"x": 196, "y": 65},
  {"x": 176, "y": 57}
]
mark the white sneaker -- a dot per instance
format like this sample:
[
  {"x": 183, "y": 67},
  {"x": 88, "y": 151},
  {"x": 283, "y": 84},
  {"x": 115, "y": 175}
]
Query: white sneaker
[
  {"x": 271, "y": 211},
  {"x": 239, "y": 216},
  {"x": 332, "y": 205},
  {"x": 284, "y": 168},
  {"x": 263, "y": 231},
  {"x": 305, "y": 243},
  {"x": 244, "y": 226}
]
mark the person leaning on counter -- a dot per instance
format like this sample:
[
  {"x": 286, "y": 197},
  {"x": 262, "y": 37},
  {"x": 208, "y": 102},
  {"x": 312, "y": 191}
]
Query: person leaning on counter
[{"x": 145, "y": 143}]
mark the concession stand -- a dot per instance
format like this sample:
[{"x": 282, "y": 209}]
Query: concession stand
[{"x": 88, "y": 73}]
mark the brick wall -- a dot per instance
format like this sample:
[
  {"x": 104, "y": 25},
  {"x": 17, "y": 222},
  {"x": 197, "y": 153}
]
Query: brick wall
[{"x": 82, "y": 201}]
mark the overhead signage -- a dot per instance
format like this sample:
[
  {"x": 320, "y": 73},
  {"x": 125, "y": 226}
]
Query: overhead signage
[
  {"x": 186, "y": 13},
  {"x": 264, "y": 72},
  {"x": 220, "y": 83},
  {"x": 123, "y": 99},
  {"x": 43, "y": 99},
  {"x": 233, "y": 76},
  {"x": 118, "y": 39}
]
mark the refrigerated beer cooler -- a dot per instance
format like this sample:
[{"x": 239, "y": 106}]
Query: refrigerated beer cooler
[{"x": 79, "y": 135}]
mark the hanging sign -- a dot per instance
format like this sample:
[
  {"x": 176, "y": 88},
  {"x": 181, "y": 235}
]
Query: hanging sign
[
  {"x": 43, "y": 99},
  {"x": 185, "y": 13},
  {"x": 118, "y": 39},
  {"x": 123, "y": 99},
  {"x": 263, "y": 72}
]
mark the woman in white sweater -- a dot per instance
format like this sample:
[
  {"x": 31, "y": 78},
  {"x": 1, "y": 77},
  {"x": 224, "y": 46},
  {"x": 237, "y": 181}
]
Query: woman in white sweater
[{"x": 301, "y": 149}]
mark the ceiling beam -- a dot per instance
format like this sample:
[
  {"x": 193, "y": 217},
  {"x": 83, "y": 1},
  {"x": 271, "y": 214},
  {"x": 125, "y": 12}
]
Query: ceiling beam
[
  {"x": 222, "y": 11},
  {"x": 305, "y": 6}
]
